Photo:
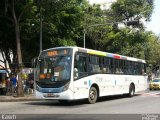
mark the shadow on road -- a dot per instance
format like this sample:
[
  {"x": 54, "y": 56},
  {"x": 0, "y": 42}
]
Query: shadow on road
[
  {"x": 80, "y": 117},
  {"x": 76, "y": 102},
  {"x": 56, "y": 103},
  {"x": 114, "y": 97}
]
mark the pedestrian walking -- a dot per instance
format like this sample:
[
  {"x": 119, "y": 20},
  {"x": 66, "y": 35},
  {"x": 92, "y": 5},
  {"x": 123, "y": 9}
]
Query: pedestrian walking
[{"x": 14, "y": 84}]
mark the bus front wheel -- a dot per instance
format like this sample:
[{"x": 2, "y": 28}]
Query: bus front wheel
[
  {"x": 131, "y": 90},
  {"x": 93, "y": 95},
  {"x": 63, "y": 101}
]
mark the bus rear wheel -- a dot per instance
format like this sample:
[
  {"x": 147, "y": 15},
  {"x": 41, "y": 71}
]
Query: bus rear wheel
[{"x": 93, "y": 95}]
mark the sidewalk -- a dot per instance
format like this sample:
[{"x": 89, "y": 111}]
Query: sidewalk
[{"x": 28, "y": 97}]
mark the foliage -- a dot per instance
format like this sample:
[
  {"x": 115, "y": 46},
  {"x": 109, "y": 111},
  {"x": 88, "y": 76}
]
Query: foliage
[
  {"x": 153, "y": 53},
  {"x": 93, "y": 26},
  {"x": 66, "y": 21},
  {"x": 132, "y": 9},
  {"x": 62, "y": 21}
]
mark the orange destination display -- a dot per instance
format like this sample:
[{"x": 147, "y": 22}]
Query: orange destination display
[{"x": 57, "y": 52}]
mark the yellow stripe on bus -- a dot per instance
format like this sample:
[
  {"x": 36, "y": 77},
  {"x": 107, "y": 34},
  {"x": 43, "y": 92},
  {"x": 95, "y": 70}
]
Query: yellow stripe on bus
[{"x": 96, "y": 53}]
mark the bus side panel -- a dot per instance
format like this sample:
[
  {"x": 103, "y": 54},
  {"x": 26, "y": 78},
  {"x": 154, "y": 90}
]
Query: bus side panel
[
  {"x": 141, "y": 83},
  {"x": 108, "y": 84},
  {"x": 81, "y": 88}
]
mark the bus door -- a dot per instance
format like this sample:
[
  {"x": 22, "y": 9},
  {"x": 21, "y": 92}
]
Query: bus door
[{"x": 80, "y": 74}]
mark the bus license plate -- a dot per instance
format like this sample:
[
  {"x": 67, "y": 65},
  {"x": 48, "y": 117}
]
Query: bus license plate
[{"x": 50, "y": 95}]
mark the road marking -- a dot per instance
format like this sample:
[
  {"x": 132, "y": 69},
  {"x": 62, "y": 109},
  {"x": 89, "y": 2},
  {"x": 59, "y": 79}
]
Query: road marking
[{"x": 151, "y": 94}]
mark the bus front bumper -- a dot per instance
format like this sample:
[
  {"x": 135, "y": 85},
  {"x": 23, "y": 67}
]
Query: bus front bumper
[{"x": 66, "y": 95}]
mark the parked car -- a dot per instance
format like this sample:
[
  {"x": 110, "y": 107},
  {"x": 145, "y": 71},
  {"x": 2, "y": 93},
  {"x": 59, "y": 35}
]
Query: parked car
[{"x": 155, "y": 84}]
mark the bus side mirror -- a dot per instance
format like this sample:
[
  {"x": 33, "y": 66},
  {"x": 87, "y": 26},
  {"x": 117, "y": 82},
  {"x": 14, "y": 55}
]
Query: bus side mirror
[
  {"x": 145, "y": 74},
  {"x": 77, "y": 57},
  {"x": 34, "y": 61}
]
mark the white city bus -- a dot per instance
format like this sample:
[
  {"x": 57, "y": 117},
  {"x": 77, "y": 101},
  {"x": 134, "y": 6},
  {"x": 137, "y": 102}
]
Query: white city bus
[{"x": 72, "y": 73}]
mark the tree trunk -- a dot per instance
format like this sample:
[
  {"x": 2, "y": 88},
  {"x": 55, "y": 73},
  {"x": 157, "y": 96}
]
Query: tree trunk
[{"x": 20, "y": 92}]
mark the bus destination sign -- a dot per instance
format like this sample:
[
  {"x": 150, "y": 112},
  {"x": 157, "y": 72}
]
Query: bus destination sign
[{"x": 57, "y": 52}]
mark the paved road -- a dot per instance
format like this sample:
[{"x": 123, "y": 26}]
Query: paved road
[
  {"x": 147, "y": 102},
  {"x": 143, "y": 106}
]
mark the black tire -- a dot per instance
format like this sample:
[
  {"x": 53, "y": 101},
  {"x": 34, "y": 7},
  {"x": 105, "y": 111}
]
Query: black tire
[
  {"x": 93, "y": 95},
  {"x": 131, "y": 90},
  {"x": 63, "y": 101}
]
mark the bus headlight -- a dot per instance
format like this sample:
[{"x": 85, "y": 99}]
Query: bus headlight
[
  {"x": 66, "y": 86},
  {"x": 37, "y": 88}
]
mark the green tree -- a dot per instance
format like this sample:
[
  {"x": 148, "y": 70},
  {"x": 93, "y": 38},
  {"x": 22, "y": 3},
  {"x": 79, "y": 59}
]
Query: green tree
[
  {"x": 7, "y": 42},
  {"x": 94, "y": 18},
  {"x": 132, "y": 9},
  {"x": 62, "y": 21},
  {"x": 15, "y": 11},
  {"x": 152, "y": 51}
]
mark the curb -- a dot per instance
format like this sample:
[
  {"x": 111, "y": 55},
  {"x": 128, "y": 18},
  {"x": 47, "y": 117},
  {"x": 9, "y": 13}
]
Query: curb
[{"x": 17, "y": 99}]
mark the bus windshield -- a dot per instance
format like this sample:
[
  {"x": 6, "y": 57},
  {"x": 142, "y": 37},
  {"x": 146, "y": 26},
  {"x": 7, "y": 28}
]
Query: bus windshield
[{"x": 53, "y": 67}]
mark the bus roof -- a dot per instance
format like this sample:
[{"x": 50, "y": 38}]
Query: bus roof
[{"x": 96, "y": 52}]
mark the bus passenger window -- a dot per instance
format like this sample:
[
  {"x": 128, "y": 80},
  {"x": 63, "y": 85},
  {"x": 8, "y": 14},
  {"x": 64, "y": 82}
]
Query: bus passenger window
[
  {"x": 76, "y": 69},
  {"x": 103, "y": 70},
  {"x": 80, "y": 66},
  {"x": 75, "y": 73}
]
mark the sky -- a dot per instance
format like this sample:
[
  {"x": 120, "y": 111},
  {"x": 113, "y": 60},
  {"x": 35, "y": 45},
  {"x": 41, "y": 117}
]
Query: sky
[{"x": 154, "y": 24}]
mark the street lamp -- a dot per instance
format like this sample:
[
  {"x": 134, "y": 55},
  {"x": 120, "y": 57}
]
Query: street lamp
[
  {"x": 40, "y": 9},
  {"x": 128, "y": 23},
  {"x": 84, "y": 37},
  {"x": 84, "y": 31}
]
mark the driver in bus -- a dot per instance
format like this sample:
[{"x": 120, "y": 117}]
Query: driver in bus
[
  {"x": 66, "y": 71},
  {"x": 62, "y": 71}
]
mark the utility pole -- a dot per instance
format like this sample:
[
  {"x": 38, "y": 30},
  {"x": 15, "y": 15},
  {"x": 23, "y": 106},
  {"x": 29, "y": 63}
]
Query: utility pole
[
  {"x": 84, "y": 37},
  {"x": 40, "y": 49}
]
